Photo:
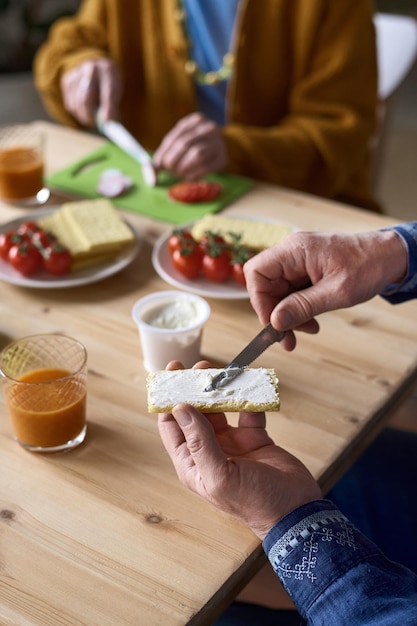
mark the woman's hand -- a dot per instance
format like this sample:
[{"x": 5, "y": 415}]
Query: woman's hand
[
  {"x": 238, "y": 469},
  {"x": 92, "y": 87},
  {"x": 193, "y": 148}
]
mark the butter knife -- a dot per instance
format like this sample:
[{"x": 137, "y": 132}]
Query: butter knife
[
  {"x": 259, "y": 344},
  {"x": 119, "y": 135}
]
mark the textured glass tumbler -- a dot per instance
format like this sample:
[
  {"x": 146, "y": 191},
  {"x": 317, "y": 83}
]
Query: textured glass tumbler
[
  {"x": 22, "y": 165},
  {"x": 45, "y": 385}
]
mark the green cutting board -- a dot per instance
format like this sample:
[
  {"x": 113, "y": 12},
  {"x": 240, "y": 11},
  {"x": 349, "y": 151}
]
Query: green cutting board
[{"x": 81, "y": 178}]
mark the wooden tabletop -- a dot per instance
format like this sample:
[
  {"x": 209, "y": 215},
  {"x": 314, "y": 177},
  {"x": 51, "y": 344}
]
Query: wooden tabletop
[{"x": 106, "y": 534}]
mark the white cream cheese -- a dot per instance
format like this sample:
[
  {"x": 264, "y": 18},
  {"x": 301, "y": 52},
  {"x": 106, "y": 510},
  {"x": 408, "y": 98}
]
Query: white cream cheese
[
  {"x": 253, "y": 387},
  {"x": 180, "y": 313}
]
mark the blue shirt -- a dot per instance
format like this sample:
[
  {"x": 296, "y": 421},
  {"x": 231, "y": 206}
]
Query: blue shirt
[
  {"x": 210, "y": 25},
  {"x": 407, "y": 289},
  {"x": 335, "y": 575}
]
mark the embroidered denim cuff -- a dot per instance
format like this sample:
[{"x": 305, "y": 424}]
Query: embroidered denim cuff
[
  {"x": 407, "y": 289},
  {"x": 312, "y": 547}
]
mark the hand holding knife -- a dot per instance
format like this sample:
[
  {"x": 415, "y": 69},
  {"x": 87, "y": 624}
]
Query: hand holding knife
[
  {"x": 259, "y": 344},
  {"x": 119, "y": 135}
]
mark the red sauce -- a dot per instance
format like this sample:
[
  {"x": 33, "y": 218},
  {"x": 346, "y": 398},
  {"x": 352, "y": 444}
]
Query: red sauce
[{"x": 47, "y": 415}]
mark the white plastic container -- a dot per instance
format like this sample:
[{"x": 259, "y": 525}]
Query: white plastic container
[{"x": 170, "y": 325}]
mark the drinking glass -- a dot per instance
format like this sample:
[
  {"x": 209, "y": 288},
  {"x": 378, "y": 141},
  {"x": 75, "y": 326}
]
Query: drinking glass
[
  {"x": 22, "y": 165},
  {"x": 45, "y": 385}
]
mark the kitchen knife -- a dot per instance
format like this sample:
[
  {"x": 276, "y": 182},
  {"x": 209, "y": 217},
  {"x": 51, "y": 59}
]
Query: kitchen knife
[
  {"x": 119, "y": 135},
  {"x": 259, "y": 344}
]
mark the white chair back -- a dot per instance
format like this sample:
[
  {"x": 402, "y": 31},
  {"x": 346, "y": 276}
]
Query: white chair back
[{"x": 396, "y": 40}]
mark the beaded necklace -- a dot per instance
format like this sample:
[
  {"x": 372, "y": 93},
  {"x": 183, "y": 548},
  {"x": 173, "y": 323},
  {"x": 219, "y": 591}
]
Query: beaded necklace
[{"x": 191, "y": 67}]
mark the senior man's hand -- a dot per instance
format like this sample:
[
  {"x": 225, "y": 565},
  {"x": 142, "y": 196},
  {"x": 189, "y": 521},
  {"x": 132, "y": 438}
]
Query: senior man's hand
[
  {"x": 310, "y": 273},
  {"x": 238, "y": 469}
]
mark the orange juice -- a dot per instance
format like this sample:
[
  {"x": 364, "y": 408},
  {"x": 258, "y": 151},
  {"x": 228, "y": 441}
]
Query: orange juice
[
  {"x": 21, "y": 172},
  {"x": 49, "y": 410}
]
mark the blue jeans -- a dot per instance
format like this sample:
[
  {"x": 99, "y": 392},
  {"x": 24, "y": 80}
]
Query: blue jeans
[{"x": 379, "y": 495}]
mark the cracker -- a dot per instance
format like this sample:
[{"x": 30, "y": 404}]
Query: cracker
[
  {"x": 89, "y": 228},
  {"x": 98, "y": 222},
  {"x": 255, "y": 389},
  {"x": 254, "y": 234}
]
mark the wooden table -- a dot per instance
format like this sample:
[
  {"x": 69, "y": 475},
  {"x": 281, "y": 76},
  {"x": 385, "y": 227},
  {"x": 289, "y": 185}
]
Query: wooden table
[{"x": 106, "y": 534}]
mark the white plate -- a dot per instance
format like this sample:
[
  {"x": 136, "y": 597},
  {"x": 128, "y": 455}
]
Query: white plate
[
  {"x": 162, "y": 263},
  {"x": 43, "y": 280}
]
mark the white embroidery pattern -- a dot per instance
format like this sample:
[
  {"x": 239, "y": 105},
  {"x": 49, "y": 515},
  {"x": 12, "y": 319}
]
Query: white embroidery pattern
[{"x": 309, "y": 532}]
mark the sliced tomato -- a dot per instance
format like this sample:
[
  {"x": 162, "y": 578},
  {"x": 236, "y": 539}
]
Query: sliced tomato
[
  {"x": 57, "y": 259},
  {"x": 187, "y": 261},
  {"x": 195, "y": 191},
  {"x": 216, "y": 268},
  {"x": 25, "y": 258}
]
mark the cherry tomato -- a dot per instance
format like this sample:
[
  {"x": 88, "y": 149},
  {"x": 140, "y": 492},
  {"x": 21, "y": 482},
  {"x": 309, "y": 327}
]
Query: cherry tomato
[
  {"x": 238, "y": 275},
  {"x": 239, "y": 255},
  {"x": 187, "y": 261},
  {"x": 8, "y": 239},
  {"x": 216, "y": 268},
  {"x": 195, "y": 191},
  {"x": 28, "y": 228},
  {"x": 43, "y": 239},
  {"x": 211, "y": 241},
  {"x": 180, "y": 239},
  {"x": 25, "y": 258},
  {"x": 57, "y": 259}
]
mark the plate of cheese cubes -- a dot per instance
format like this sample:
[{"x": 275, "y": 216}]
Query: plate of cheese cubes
[{"x": 100, "y": 241}]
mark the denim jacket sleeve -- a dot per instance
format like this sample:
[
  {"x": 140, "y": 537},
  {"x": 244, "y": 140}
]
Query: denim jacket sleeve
[
  {"x": 334, "y": 574},
  {"x": 407, "y": 289}
]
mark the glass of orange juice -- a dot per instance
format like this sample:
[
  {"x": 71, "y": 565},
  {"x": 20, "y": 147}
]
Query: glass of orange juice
[
  {"x": 22, "y": 165},
  {"x": 45, "y": 385}
]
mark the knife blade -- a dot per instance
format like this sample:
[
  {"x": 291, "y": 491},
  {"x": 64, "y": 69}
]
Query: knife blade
[
  {"x": 259, "y": 344},
  {"x": 119, "y": 135}
]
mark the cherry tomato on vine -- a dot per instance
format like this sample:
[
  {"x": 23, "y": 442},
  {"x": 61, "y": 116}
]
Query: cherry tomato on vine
[
  {"x": 240, "y": 254},
  {"x": 238, "y": 274},
  {"x": 210, "y": 241},
  {"x": 187, "y": 261},
  {"x": 25, "y": 258},
  {"x": 8, "y": 239},
  {"x": 57, "y": 259},
  {"x": 216, "y": 268},
  {"x": 180, "y": 239},
  {"x": 27, "y": 229},
  {"x": 43, "y": 238}
]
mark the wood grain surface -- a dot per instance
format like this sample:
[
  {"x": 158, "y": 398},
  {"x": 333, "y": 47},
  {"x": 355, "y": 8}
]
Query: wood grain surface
[{"x": 106, "y": 535}]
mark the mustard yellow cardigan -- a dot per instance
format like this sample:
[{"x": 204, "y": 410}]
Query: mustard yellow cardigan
[{"x": 301, "y": 105}]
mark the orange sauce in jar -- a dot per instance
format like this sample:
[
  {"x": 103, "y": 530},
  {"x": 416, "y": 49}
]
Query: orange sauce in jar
[
  {"x": 21, "y": 173},
  {"x": 47, "y": 414}
]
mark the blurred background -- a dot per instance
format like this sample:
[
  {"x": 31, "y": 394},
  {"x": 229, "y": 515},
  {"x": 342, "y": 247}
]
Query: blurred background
[{"x": 24, "y": 25}]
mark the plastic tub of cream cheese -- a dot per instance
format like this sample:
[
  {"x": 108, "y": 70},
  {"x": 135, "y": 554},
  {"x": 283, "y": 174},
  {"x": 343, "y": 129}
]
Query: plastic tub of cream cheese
[{"x": 170, "y": 325}]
